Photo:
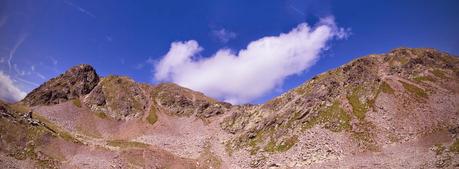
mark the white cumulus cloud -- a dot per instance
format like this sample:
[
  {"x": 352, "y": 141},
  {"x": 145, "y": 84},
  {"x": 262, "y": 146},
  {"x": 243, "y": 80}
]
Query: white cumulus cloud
[
  {"x": 240, "y": 77},
  {"x": 8, "y": 91}
]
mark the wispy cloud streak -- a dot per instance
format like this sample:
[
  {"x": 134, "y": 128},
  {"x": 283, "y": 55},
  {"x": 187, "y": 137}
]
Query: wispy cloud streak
[
  {"x": 82, "y": 10},
  {"x": 297, "y": 10},
  {"x": 27, "y": 82},
  {"x": 21, "y": 40}
]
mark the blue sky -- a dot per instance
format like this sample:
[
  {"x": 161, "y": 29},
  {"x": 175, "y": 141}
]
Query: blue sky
[{"x": 40, "y": 39}]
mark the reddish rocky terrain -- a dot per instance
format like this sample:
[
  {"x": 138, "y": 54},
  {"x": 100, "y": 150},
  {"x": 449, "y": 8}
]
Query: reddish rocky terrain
[{"x": 393, "y": 110}]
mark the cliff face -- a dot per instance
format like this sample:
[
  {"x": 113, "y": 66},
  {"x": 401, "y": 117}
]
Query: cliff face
[{"x": 371, "y": 111}]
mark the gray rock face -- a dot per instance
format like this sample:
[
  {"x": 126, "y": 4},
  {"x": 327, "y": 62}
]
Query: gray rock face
[
  {"x": 75, "y": 82},
  {"x": 97, "y": 97}
]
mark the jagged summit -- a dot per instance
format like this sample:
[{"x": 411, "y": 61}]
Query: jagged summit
[
  {"x": 120, "y": 97},
  {"x": 77, "y": 81}
]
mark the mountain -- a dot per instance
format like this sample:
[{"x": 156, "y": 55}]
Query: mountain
[{"x": 393, "y": 110}]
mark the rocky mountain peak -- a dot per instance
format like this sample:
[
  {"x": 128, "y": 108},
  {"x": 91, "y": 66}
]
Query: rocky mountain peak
[
  {"x": 75, "y": 82},
  {"x": 119, "y": 97}
]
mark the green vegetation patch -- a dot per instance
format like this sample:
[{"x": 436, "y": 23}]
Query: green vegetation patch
[
  {"x": 13, "y": 133},
  {"x": 384, "y": 87},
  {"x": 403, "y": 60},
  {"x": 19, "y": 108},
  {"x": 250, "y": 141},
  {"x": 333, "y": 117},
  {"x": 56, "y": 129},
  {"x": 424, "y": 78},
  {"x": 439, "y": 149},
  {"x": 416, "y": 91},
  {"x": 439, "y": 73},
  {"x": 455, "y": 147},
  {"x": 210, "y": 158},
  {"x": 126, "y": 144},
  {"x": 229, "y": 148},
  {"x": 88, "y": 132},
  {"x": 282, "y": 146},
  {"x": 362, "y": 131},
  {"x": 258, "y": 139},
  {"x": 359, "y": 108},
  {"x": 306, "y": 88},
  {"x": 76, "y": 102},
  {"x": 291, "y": 121},
  {"x": 393, "y": 138},
  {"x": 115, "y": 88},
  {"x": 253, "y": 142},
  {"x": 152, "y": 117},
  {"x": 302, "y": 89},
  {"x": 364, "y": 135},
  {"x": 101, "y": 115},
  {"x": 20, "y": 142}
]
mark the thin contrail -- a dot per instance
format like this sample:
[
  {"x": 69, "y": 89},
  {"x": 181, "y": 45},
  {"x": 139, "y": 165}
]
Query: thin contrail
[
  {"x": 82, "y": 10},
  {"x": 297, "y": 10},
  {"x": 28, "y": 82},
  {"x": 41, "y": 76},
  {"x": 22, "y": 38}
]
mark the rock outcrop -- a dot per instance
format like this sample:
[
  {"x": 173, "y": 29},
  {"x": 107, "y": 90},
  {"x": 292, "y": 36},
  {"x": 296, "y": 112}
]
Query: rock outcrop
[
  {"x": 119, "y": 97},
  {"x": 75, "y": 82},
  {"x": 181, "y": 101}
]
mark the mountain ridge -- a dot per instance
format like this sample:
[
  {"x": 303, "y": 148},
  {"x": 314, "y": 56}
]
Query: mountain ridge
[{"x": 367, "y": 106}]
